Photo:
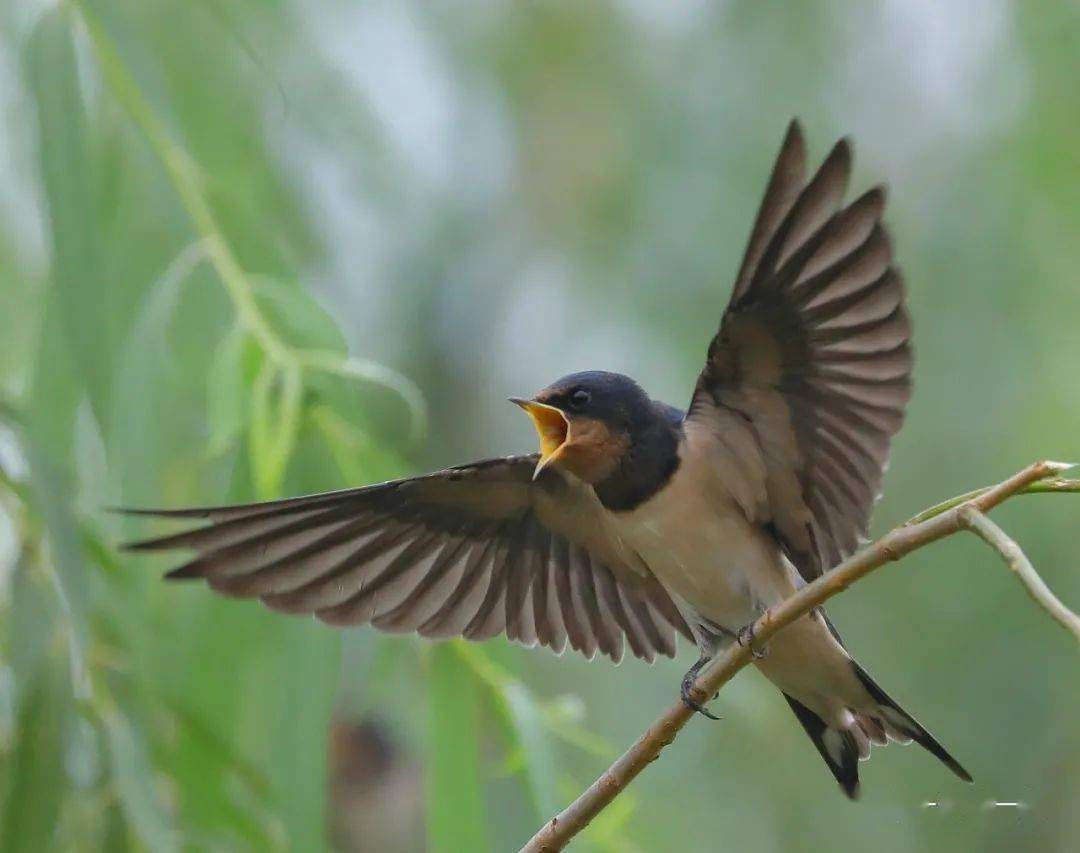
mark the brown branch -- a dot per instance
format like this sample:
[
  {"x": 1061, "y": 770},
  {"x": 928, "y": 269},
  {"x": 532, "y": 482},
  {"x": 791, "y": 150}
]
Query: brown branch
[
  {"x": 934, "y": 524},
  {"x": 1020, "y": 566}
]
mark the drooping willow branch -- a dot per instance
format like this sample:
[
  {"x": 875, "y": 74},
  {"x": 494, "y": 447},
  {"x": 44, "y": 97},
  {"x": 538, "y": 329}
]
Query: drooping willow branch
[{"x": 964, "y": 512}]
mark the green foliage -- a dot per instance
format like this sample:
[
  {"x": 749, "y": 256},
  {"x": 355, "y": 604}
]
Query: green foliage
[
  {"x": 456, "y": 814},
  {"x": 140, "y": 717}
]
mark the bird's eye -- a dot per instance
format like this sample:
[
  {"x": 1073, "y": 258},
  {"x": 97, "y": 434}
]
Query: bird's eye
[{"x": 580, "y": 398}]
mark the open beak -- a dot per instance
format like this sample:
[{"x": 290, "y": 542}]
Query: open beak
[{"x": 551, "y": 426}]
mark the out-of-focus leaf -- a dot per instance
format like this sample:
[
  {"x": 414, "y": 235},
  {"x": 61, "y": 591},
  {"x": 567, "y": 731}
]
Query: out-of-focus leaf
[
  {"x": 346, "y": 443},
  {"x": 67, "y": 572},
  {"x": 360, "y": 458},
  {"x": 67, "y": 170},
  {"x": 31, "y": 775},
  {"x": 275, "y": 421},
  {"x": 537, "y": 746},
  {"x": 134, "y": 781},
  {"x": 46, "y": 441},
  {"x": 115, "y": 838},
  {"x": 525, "y": 721},
  {"x": 231, "y": 760},
  {"x": 82, "y": 755},
  {"x": 455, "y": 811},
  {"x": 229, "y": 389},
  {"x": 264, "y": 685},
  {"x": 221, "y": 789},
  {"x": 298, "y": 676},
  {"x": 563, "y": 715},
  {"x": 56, "y": 391},
  {"x": 20, "y": 319},
  {"x": 363, "y": 371},
  {"x": 7, "y": 706},
  {"x": 374, "y": 666},
  {"x": 144, "y": 374},
  {"x": 30, "y": 628},
  {"x": 296, "y": 316}
]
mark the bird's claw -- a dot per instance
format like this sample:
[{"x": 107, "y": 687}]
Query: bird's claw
[
  {"x": 686, "y": 691},
  {"x": 745, "y": 638}
]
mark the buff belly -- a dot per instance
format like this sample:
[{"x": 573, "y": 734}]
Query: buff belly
[
  {"x": 714, "y": 563},
  {"x": 722, "y": 571}
]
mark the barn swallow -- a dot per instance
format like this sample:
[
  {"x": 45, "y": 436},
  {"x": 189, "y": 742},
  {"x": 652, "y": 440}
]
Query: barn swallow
[{"x": 637, "y": 522}]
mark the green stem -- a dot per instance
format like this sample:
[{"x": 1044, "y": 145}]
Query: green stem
[
  {"x": 363, "y": 370},
  {"x": 1053, "y": 484},
  {"x": 185, "y": 179}
]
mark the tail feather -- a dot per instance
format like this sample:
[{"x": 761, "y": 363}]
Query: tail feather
[
  {"x": 896, "y": 719},
  {"x": 838, "y": 747},
  {"x": 842, "y": 749}
]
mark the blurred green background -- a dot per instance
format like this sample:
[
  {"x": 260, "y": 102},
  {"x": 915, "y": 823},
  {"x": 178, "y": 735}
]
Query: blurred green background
[{"x": 244, "y": 245}]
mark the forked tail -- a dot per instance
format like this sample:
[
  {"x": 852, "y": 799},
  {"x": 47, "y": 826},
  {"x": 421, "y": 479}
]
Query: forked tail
[{"x": 842, "y": 749}]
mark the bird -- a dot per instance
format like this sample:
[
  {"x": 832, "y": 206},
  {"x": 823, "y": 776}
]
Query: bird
[{"x": 637, "y": 522}]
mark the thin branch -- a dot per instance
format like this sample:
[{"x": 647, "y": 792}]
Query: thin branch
[
  {"x": 1020, "y": 566},
  {"x": 1052, "y": 484},
  {"x": 899, "y": 542}
]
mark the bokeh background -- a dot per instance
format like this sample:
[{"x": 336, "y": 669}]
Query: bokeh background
[{"x": 246, "y": 245}]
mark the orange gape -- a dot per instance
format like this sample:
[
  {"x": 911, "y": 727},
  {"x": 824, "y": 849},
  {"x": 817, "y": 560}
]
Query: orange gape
[{"x": 592, "y": 449}]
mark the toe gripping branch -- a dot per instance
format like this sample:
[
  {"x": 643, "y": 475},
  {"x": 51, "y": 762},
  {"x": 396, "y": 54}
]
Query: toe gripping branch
[
  {"x": 745, "y": 638},
  {"x": 686, "y": 692}
]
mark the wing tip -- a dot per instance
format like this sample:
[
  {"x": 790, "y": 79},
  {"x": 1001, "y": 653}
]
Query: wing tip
[
  {"x": 794, "y": 133},
  {"x": 142, "y": 545},
  {"x": 186, "y": 572},
  {"x": 879, "y": 191},
  {"x": 793, "y": 151},
  {"x": 169, "y": 542},
  {"x": 839, "y": 158},
  {"x": 158, "y": 512}
]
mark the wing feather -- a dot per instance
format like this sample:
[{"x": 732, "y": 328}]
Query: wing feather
[
  {"x": 472, "y": 551},
  {"x": 813, "y": 357}
]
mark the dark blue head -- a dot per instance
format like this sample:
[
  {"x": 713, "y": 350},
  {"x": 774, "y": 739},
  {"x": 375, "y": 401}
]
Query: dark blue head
[
  {"x": 604, "y": 429},
  {"x": 616, "y": 400}
]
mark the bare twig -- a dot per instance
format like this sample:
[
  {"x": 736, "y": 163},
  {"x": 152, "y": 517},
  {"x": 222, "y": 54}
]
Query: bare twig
[
  {"x": 934, "y": 524},
  {"x": 1020, "y": 566}
]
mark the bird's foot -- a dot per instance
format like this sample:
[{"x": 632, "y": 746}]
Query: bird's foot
[
  {"x": 745, "y": 638},
  {"x": 688, "y": 686}
]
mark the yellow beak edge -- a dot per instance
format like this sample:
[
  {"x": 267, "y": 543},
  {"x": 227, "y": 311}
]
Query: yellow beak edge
[{"x": 552, "y": 427}]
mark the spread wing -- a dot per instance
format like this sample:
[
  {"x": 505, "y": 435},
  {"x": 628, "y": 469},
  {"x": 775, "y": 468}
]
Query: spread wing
[
  {"x": 473, "y": 551},
  {"x": 813, "y": 358}
]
